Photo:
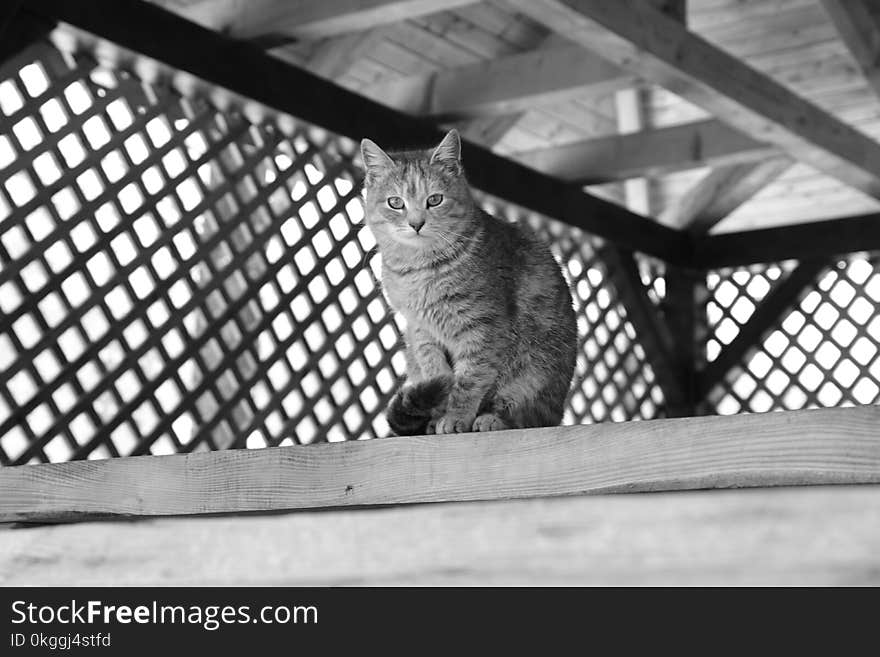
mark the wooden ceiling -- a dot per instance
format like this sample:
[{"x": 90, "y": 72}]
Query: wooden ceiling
[{"x": 759, "y": 113}]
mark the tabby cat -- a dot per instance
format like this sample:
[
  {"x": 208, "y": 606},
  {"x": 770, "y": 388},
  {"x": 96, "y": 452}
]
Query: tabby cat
[{"x": 490, "y": 331}]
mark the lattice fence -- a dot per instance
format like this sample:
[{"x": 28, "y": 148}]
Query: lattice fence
[
  {"x": 823, "y": 352},
  {"x": 175, "y": 278},
  {"x": 613, "y": 377}
]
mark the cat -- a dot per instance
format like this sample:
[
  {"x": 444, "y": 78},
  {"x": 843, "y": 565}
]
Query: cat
[{"x": 491, "y": 336}]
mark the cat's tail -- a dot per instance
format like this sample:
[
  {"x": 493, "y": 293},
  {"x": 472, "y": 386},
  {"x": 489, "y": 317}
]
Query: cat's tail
[{"x": 415, "y": 404}]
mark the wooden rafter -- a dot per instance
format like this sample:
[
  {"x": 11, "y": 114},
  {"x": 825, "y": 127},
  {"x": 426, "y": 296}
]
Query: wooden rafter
[
  {"x": 489, "y": 131},
  {"x": 648, "y": 43},
  {"x": 858, "y": 22},
  {"x": 18, "y": 31},
  {"x": 820, "y": 238},
  {"x": 648, "y": 152},
  {"x": 492, "y": 130},
  {"x": 304, "y": 18},
  {"x": 631, "y": 110},
  {"x": 505, "y": 85},
  {"x": 247, "y": 70},
  {"x": 244, "y": 68},
  {"x": 334, "y": 58},
  {"x": 720, "y": 192},
  {"x": 653, "y": 333}
]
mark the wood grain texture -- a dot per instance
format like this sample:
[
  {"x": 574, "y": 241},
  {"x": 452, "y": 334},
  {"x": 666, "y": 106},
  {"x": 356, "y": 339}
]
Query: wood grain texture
[
  {"x": 305, "y": 18},
  {"x": 721, "y": 192},
  {"x": 858, "y": 22},
  {"x": 648, "y": 153},
  {"x": 840, "y": 446},
  {"x": 788, "y": 536},
  {"x": 644, "y": 41},
  {"x": 504, "y": 85}
]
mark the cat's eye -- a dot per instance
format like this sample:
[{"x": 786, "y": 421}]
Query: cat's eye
[
  {"x": 434, "y": 200},
  {"x": 395, "y": 202}
]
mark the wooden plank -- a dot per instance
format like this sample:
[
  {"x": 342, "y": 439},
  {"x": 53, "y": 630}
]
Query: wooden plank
[
  {"x": 648, "y": 153},
  {"x": 305, "y": 18},
  {"x": 721, "y": 192},
  {"x": 858, "y": 22},
  {"x": 265, "y": 82},
  {"x": 801, "y": 447},
  {"x": 767, "y": 316},
  {"x": 505, "y": 85},
  {"x": 821, "y": 238},
  {"x": 644, "y": 41},
  {"x": 824, "y": 535}
]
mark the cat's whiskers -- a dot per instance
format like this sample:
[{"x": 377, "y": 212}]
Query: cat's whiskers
[
  {"x": 461, "y": 236},
  {"x": 450, "y": 243}
]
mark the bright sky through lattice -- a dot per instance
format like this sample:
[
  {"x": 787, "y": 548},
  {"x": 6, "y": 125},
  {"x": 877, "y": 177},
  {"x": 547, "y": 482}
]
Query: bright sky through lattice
[{"x": 146, "y": 230}]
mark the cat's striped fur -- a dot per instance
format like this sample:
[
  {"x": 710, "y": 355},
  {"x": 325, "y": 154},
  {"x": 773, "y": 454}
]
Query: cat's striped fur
[{"x": 491, "y": 334}]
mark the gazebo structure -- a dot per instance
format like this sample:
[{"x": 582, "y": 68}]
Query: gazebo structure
[{"x": 185, "y": 278}]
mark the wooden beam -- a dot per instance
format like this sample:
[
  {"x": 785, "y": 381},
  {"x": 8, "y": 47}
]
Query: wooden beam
[
  {"x": 334, "y": 58},
  {"x": 644, "y": 41},
  {"x": 304, "y": 18},
  {"x": 651, "y": 331},
  {"x": 634, "y": 115},
  {"x": 821, "y": 238},
  {"x": 683, "y": 311},
  {"x": 721, "y": 192},
  {"x": 489, "y": 131},
  {"x": 766, "y": 317},
  {"x": 18, "y": 30},
  {"x": 858, "y": 22},
  {"x": 676, "y": 9},
  {"x": 630, "y": 109},
  {"x": 823, "y": 535},
  {"x": 648, "y": 153},
  {"x": 506, "y": 85},
  {"x": 259, "y": 81},
  {"x": 774, "y": 449}
]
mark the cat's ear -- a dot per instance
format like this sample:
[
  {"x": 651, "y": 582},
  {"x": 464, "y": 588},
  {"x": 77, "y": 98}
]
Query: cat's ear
[
  {"x": 375, "y": 159},
  {"x": 449, "y": 150}
]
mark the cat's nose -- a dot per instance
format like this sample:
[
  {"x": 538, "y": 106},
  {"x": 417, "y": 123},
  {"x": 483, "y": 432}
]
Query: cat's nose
[{"x": 417, "y": 224}]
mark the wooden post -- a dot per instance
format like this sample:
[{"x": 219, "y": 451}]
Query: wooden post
[{"x": 684, "y": 309}]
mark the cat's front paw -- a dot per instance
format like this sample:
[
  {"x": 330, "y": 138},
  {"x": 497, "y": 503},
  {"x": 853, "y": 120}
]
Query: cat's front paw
[
  {"x": 454, "y": 424},
  {"x": 489, "y": 422}
]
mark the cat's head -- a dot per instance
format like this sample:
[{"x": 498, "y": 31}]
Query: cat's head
[{"x": 417, "y": 198}]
